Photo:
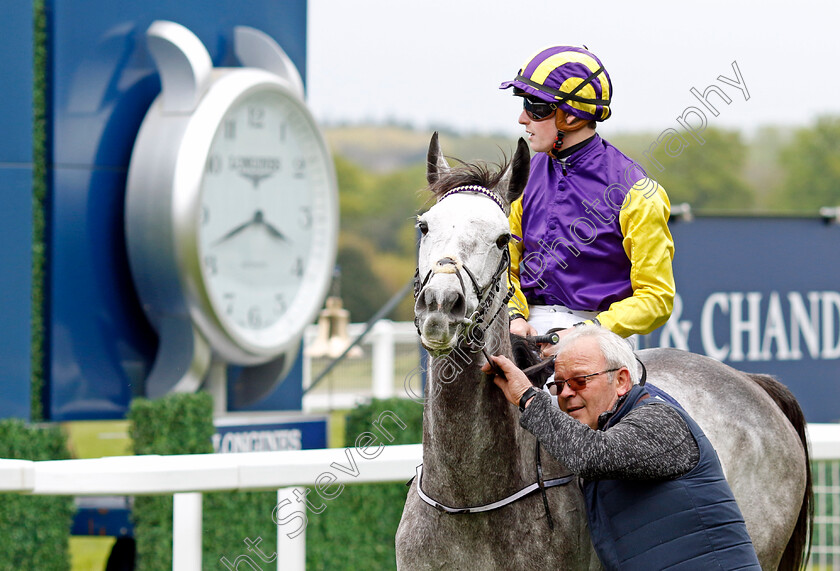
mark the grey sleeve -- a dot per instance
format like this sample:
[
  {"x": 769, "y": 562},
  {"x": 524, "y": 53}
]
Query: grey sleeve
[{"x": 651, "y": 442}]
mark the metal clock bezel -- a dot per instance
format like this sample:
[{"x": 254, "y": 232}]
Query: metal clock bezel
[{"x": 231, "y": 341}]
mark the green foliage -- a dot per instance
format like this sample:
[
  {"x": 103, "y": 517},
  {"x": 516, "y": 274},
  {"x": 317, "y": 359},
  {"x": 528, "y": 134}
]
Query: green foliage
[
  {"x": 708, "y": 176},
  {"x": 812, "y": 164},
  {"x": 35, "y": 530},
  {"x": 39, "y": 206},
  {"x": 180, "y": 423},
  {"x": 361, "y": 419},
  {"x": 356, "y": 530},
  {"x": 362, "y": 291},
  {"x": 764, "y": 170},
  {"x": 375, "y": 207},
  {"x": 176, "y": 424},
  {"x": 388, "y": 148},
  {"x": 183, "y": 424},
  {"x": 232, "y": 517},
  {"x": 376, "y": 210}
]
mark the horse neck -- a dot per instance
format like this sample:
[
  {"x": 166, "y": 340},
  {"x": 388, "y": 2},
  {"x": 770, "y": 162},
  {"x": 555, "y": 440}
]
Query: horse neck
[{"x": 472, "y": 444}]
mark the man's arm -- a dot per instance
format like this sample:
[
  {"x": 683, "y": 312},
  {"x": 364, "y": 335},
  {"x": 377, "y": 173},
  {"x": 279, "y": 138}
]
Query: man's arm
[{"x": 652, "y": 442}]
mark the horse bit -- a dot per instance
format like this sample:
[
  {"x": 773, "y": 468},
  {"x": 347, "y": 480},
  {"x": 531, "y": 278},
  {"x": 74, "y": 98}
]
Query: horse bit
[{"x": 474, "y": 330}]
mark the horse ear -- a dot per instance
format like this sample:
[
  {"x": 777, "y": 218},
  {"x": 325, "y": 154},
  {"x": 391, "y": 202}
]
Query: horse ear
[
  {"x": 515, "y": 177},
  {"x": 436, "y": 165}
]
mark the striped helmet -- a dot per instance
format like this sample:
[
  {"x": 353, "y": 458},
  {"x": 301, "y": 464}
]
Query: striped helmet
[{"x": 572, "y": 76}]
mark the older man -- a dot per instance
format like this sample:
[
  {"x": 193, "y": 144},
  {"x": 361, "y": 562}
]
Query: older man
[{"x": 656, "y": 496}]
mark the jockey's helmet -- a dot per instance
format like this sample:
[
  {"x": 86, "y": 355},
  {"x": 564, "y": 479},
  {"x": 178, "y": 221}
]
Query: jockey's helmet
[{"x": 570, "y": 77}]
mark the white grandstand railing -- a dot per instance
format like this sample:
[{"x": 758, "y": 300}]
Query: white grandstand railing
[
  {"x": 187, "y": 476},
  {"x": 378, "y": 348}
]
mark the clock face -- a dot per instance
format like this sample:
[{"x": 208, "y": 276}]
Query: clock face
[{"x": 264, "y": 217}]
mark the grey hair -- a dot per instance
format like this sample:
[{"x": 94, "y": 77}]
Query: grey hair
[{"x": 616, "y": 350}]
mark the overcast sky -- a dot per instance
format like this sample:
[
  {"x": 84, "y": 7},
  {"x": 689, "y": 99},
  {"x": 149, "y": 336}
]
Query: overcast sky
[{"x": 439, "y": 62}]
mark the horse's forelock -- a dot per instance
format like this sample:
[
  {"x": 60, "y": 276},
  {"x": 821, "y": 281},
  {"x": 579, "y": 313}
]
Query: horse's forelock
[{"x": 466, "y": 174}]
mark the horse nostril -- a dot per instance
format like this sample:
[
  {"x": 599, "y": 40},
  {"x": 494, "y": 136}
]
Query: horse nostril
[
  {"x": 444, "y": 301},
  {"x": 421, "y": 305},
  {"x": 459, "y": 308},
  {"x": 451, "y": 302}
]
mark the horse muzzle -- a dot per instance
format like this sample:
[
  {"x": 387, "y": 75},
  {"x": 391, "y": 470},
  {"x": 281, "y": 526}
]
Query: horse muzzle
[{"x": 439, "y": 312}]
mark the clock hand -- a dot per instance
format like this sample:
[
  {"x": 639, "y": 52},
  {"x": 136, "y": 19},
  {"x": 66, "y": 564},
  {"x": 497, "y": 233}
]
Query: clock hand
[
  {"x": 237, "y": 230},
  {"x": 275, "y": 232},
  {"x": 259, "y": 218}
]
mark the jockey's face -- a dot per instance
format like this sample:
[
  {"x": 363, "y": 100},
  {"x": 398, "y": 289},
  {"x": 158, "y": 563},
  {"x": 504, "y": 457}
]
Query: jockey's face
[
  {"x": 582, "y": 358},
  {"x": 541, "y": 134}
]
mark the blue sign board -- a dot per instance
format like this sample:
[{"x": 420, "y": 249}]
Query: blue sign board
[
  {"x": 271, "y": 435},
  {"x": 103, "y": 80},
  {"x": 762, "y": 295},
  {"x": 16, "y": 71}
]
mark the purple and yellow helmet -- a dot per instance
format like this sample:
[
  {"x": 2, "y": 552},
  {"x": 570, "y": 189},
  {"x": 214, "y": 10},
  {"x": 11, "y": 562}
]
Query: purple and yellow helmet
[{"x": 571, "y": 77}]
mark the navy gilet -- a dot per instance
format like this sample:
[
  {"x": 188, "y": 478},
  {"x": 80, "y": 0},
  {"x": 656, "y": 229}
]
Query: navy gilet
[{"x": 689, "y": 523}]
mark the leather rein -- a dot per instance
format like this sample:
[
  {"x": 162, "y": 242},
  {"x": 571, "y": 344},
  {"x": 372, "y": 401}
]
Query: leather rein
[{"x": 473, "y": 337}]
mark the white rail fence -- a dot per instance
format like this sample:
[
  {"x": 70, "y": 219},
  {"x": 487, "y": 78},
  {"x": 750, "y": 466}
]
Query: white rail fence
[
  {"x": 389, "y": 353},
  {"x": 186, "y": 477}
]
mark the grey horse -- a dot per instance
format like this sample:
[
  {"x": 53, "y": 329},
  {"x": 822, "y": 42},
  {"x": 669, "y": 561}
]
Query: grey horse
[{"x": 477, "y": 458}]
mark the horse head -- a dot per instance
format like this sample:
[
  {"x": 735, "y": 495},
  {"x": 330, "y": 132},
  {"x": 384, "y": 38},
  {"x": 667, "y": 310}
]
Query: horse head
[{"x": 464, "y": 259}]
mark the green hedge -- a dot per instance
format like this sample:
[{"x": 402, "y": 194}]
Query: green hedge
[
  {"x": 34, "y": 530},
  {"x": 39, "y": 209},
  {"x": 183, "y": 424},
  {"x": 176, "y": 424},
  {"x": 355, "y": 530}
]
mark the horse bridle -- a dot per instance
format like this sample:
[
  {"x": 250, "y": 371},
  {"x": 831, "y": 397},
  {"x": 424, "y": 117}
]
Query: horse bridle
[
  {"x": 474, "y": 329},
  {"x": 474, "y": 326}
]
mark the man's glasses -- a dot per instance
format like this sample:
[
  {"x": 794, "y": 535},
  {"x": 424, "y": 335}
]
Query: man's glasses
[
  {"x": 538, "y": 110},
  {"x": 575, "y": 383}
]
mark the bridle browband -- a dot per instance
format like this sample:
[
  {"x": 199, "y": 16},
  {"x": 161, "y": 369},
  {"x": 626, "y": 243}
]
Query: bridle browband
[
  {"x": 480, "y": 190},
  {"x": 474, "y": 339}
]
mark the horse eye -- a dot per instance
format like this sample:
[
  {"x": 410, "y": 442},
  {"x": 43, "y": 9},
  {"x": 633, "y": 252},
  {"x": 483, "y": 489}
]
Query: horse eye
[
  {"x": 424, "y": 228},
  {"x": 502, "y": 241}
]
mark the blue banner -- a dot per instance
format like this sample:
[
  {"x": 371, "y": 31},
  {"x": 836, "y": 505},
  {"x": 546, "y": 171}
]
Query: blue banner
[
  {"x": 16, "y": 144},
  {"x": 272, "y": 435},
  {"x": 762, "y": 295}
]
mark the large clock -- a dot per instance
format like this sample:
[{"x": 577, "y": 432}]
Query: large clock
[{"x": 231, "y": 209}]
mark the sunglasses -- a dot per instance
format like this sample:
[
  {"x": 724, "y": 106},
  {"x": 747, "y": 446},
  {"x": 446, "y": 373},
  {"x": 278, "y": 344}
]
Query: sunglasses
[
  {"x": 538, "y": 110},
  {"x": 575, "y": 383}
]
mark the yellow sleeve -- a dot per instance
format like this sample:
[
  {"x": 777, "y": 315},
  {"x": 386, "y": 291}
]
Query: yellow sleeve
[
  {"x": 650, "y": 249},
  {"x": 518, "y": 303}
]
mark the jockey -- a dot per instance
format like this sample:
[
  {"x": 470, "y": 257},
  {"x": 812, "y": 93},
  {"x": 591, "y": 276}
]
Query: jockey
[{"x": 591, "y": 229}]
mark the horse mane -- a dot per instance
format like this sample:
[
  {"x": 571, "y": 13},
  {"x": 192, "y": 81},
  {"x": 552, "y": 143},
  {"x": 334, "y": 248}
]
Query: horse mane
[{"x": 479, "y": 173}]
